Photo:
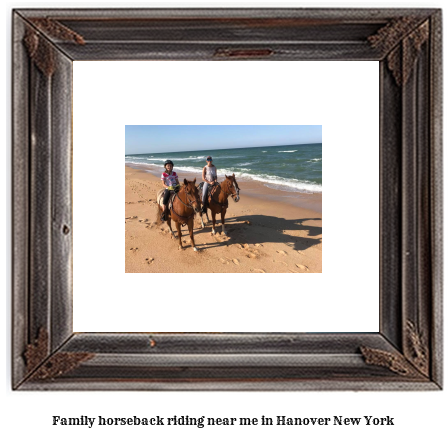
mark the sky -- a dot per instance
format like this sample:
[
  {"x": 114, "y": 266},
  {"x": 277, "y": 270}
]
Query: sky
[{"x": 141, "y": 139}]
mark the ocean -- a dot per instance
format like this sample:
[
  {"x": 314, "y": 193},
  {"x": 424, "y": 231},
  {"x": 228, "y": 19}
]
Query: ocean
[{"x": 292, "y": 168}]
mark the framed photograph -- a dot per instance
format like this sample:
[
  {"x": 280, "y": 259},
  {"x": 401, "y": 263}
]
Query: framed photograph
[
  {"x": 153, "y": 317},
  {"x": 278, "y": 166}
]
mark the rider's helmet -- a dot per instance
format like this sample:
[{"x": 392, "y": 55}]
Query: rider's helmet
[{"x": 168, "y": 162}]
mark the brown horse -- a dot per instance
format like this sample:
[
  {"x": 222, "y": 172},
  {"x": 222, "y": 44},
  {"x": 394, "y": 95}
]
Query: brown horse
[
  {"x": 218, "y": 200},
  {"x": 184, "y": 206}
]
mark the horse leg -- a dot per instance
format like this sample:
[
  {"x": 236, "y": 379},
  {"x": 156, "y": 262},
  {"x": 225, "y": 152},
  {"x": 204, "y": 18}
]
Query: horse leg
[
  {"x": 213, "y": 222},
  {"x": 179, "y": 234},
  {"x": 190, "y": 230},
  {"x": 223, "y": 214},
  {"x": 202, "y": 222},
  {"x": 168, "y": 221}
]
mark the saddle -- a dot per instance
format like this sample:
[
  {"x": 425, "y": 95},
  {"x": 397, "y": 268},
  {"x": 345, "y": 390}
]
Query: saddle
[
  {"x": 160, "y": 198},
  {"x": 170, "y": 204},
  {"x": 210, "y": 190}
]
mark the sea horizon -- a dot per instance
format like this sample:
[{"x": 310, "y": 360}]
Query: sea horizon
[{"x": 225, "y": 149}]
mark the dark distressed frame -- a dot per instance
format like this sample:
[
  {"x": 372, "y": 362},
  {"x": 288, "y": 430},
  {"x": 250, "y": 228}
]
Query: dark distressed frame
[{"x": 406, "y": 354}]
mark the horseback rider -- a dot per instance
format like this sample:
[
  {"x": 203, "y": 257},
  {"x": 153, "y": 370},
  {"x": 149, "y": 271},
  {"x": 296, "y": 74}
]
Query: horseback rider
[
  {"x": 209, "y": 176},
  {"x": 171, "y": 183}
]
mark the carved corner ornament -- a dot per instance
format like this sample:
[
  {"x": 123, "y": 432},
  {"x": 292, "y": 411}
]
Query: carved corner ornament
[
  {"x": 40, "y": 49},
  {"x": 401, "y": 57},
  {"x": 41, "y": 367},
  {"x": 413, "y": 364},
  {"x": 417, "y": 350}
]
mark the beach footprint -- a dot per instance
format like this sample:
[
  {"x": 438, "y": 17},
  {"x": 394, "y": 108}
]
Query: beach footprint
[
  {"x": 279, "y": 261},
  {"x": 149, "y": 260},
  {"x": 283, "y": 253},
  {"x": 224, "y": 261},
  {"x": 236, "y": 261},
  {"x": 259, "y": 271},
  {"x": 302, "y": 267},
  {"x": 220, "y": 237}
]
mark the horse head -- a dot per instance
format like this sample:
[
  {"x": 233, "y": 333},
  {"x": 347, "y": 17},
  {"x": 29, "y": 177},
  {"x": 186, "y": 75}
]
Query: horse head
[
  {"x": 233, "y": 188},
  {"x": 192, "y": 193}
]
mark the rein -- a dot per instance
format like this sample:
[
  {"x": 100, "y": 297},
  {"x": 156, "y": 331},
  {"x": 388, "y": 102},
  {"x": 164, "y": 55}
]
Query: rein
[{"x": 184, "y": 219}]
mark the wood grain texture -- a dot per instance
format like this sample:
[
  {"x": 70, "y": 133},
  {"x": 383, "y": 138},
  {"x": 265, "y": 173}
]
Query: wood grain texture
[
  {"x": 406, "y": 354},
  {"x": 436, "y": 195},
  {"x": 61, "y": 200},
  {"x": 20, "y": 207},
  {"x": 391, "y": 237}
]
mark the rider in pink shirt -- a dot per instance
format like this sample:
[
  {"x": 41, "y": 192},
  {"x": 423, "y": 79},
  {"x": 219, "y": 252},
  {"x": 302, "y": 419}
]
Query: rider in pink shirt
[{"x": 170, "y": 182}]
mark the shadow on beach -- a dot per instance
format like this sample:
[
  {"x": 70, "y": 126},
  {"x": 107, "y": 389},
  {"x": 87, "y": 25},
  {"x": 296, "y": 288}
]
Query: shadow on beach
[{"x": 253, "y": 229}]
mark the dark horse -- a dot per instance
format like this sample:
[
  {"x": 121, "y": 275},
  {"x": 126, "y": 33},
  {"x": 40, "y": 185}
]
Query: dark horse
[
  {"x": 183, "y": 207},
  {"x": 218, "y": 200}
]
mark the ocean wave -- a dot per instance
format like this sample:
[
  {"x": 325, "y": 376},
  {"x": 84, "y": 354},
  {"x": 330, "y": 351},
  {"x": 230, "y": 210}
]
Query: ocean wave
[
  {"x": 287, "y": 151},
  {"x": 189, "y": 169},
  {"x": 303, "y": 188},
  {"x": 236, "y": 169},
  {"x": 176, "y": 159},
  {"x": 290, "y": 183},
  {"x": 217, "y": 157},
  {"x": 141, "y": 163},
  {"x": 276, "y": 182},
  {"x": 314, "y": 160}
]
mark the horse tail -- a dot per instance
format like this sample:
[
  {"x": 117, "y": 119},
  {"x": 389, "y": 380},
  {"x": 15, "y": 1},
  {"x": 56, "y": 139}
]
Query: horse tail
[{"x": 158, "y": 219}]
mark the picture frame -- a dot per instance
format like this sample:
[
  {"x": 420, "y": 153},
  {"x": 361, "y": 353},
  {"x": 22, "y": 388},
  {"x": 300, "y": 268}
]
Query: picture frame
[{"x": 406, "y": 353}]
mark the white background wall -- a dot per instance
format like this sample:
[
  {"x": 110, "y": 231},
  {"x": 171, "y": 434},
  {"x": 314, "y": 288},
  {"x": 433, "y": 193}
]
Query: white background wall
[{"x": 416, "y": 414}]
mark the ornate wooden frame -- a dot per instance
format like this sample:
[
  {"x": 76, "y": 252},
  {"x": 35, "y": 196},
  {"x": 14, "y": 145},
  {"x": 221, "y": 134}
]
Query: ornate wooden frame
[{"x": 406, "y": 354}]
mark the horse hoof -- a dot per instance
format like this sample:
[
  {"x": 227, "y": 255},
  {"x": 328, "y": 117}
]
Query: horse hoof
[{"x": 195, "y": 249}]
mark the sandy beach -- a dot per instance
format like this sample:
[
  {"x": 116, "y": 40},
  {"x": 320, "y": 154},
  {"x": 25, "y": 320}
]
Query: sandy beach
[{"x": 269, "y": 231}]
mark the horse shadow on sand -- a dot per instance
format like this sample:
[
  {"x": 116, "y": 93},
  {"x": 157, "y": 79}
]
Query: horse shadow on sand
[{"x": 253, "y": 229}]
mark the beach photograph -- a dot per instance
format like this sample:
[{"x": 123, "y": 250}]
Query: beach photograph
[{"x": 223, "y": 198}]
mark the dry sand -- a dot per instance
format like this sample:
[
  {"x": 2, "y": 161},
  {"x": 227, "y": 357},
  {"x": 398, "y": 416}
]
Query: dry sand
[{"x": 268, "y": 232}]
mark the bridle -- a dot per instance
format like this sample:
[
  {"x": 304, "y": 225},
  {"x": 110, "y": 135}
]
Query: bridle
[
  {"x": 190, "y": 201},
  {"x": 235, "y": 196}
]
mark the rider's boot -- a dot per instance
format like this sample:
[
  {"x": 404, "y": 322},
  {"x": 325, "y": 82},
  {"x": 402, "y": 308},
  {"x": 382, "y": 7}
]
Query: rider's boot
[{"x": 165, "y": 213}]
